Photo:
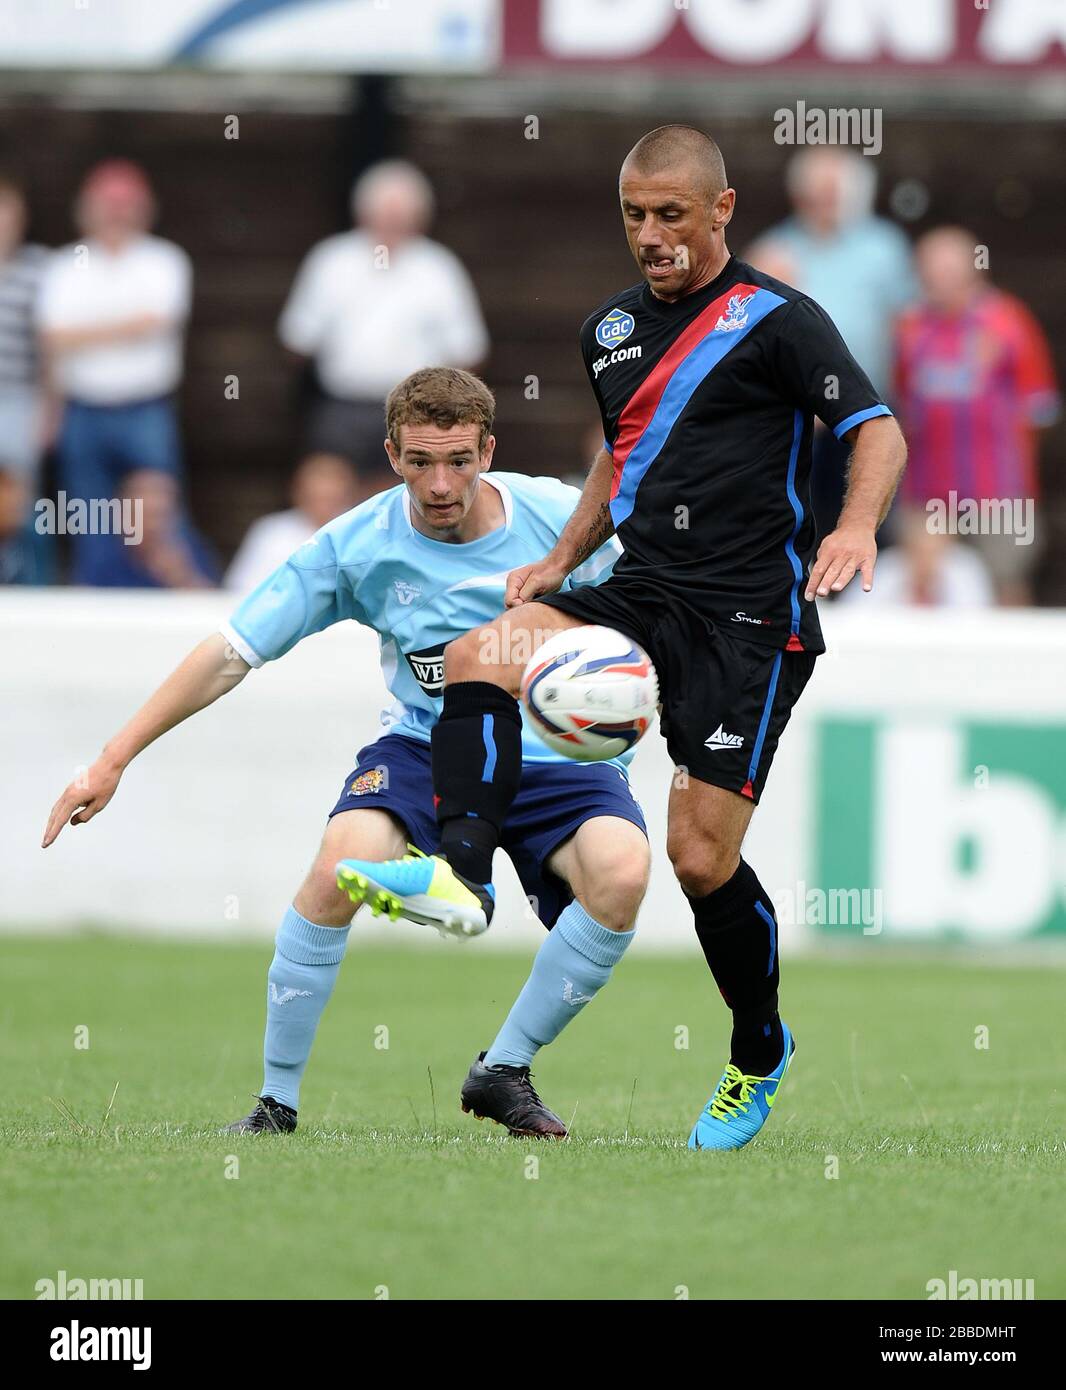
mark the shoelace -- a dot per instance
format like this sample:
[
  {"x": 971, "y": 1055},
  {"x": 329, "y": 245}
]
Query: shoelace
[
  {"x": 724, "y": 1104},
  {"x": 524, "y": 1079},
  {"x": 269, "y": 1112},
  {"x": 265, "y": 1113}
]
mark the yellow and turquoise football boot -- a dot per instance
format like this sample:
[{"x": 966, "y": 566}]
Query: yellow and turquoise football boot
[
  {"x": 740, "y": 1105},
  {"x": 421, "y": 888}
]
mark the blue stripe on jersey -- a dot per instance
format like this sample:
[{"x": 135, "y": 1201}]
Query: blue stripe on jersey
[
  {"x": 859, "y": 417},
  {"x": 797, "y": 507},
  {"x": 695, "y": 368},
  {"x": 760, "y": 737},
  {"x": 490, "y": 748}
]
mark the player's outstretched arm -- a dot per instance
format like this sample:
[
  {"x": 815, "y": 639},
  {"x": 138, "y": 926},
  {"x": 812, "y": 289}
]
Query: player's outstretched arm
[
  {"x": 207, "y": 672},
  {"x": 876, "y": 467},
  {"x": 581, "y": 537}
]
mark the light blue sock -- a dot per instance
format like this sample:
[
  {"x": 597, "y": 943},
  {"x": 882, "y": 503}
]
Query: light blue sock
[
  {"x": 574, "y": 962},
  {"x": 301, "y": 979}
]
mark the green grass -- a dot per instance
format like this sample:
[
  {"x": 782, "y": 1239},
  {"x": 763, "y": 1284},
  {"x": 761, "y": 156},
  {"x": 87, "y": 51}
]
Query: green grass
[{"x": 950, "y": 1157}]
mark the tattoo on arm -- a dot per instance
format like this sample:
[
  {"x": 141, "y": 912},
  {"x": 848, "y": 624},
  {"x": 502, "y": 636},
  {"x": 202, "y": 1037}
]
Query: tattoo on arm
[{"x": 599, "y": 529}]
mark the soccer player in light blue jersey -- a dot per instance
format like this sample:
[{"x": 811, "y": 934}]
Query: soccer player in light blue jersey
[{"x": 421, "y": 564}]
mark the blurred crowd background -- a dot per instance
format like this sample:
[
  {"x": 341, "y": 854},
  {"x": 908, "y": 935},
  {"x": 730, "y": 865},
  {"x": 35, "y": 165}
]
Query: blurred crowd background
[{"x": 210, "y": 279}]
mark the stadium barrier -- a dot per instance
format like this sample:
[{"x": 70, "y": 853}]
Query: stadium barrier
[{"x": 919, "y": 793}]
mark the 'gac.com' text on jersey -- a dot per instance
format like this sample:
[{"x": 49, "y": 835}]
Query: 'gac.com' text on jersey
[{"x": 708, "y": 409}]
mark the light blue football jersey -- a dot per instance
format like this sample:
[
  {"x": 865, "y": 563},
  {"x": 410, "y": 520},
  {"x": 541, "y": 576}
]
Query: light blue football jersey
[{"x": 371, "y": 566}]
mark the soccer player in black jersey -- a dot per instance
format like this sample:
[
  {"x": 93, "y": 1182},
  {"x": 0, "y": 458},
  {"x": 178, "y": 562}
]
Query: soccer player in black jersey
[{"x": 708, "y": 376}]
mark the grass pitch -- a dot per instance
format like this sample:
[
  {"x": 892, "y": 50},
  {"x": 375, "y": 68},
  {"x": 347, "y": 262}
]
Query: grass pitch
[{"x": 949, "y": 1156}]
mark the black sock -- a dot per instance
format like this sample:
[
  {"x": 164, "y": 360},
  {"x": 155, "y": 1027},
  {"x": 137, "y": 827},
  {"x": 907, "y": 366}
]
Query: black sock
[
  {"x": 477, "y": 762},
  {"x": 737, "y": 928}
]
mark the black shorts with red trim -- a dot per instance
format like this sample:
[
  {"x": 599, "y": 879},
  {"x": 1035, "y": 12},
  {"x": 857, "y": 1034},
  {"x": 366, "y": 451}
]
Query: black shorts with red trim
[{"x": 725, "y": 699}]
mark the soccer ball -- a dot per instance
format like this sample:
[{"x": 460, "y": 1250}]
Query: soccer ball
[{"x": 591, "y": 693}]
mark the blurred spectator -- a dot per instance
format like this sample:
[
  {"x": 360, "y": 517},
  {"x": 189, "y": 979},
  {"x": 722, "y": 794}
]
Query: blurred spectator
[
  {"x": 20, "y": 557},
  {"x": 926, "y": 569},
  {"x": 856, "y": 266},
  {"x": 323, "y": 486},
  {"x": 21, "y": 400},
  {"x": 974, "y": 381},
  {"x": 772, "y": 258},
  {"x": 166, "y": 552},
  {"x": 372, "y": 305},
  {"x": 112, "y": 314},
  {"x": 21, "y": 269}
]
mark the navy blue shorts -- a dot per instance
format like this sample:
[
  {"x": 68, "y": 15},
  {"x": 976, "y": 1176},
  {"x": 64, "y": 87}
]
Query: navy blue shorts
[{"x": 553, "y": 799}]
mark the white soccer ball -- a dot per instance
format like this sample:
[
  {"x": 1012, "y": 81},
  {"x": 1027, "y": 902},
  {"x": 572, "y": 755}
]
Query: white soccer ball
[{"x": 591, "y": 693}]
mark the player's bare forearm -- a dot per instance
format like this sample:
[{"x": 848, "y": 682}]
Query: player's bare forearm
[
  {"x": 582, "y": 536},
  {"x": 591, "y": 523},
  {"x": 209, "y": 671},
  {"x": 876, "y": 467},
  {"x": 877, "y": 464}
]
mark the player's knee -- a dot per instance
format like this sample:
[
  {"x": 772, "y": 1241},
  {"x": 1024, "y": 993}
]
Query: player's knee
[
  {"x": 464, "y": 659},
  {"x": 613, "y": 893},
  {"x": 701, "y": 863},
  {"x": 319, "y": 898},
  {"x": 485, "y": 654}
]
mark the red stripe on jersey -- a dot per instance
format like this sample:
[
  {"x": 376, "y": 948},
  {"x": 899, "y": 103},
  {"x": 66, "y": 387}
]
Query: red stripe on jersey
[{"x": 638, "y": 410}]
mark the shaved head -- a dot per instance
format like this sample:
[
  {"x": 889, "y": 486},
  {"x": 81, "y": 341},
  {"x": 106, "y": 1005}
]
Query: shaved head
[
  {"x": 676, "y": 205},
  {"x": 678, "y": 149}
]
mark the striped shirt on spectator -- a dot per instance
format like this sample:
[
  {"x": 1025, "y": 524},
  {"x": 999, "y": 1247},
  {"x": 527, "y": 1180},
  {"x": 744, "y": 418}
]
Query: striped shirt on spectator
[{"x": 20, "y": 280}]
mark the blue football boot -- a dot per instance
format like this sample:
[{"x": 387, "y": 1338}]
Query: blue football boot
[{"x": 740, "y": 1105}]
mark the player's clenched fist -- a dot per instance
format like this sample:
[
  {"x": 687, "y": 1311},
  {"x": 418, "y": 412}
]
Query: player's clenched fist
[
  {"x": 529, "y": 582},
  {"x": 86, "y": 795}
]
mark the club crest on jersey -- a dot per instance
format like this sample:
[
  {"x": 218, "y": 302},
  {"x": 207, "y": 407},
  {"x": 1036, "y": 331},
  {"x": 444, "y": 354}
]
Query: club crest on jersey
[
  {"x": 372, "y": 780},
  {"x": 406, "y": 593},
  {"x": 735, "y": 316},
  {"x": 614, "y": 328}
]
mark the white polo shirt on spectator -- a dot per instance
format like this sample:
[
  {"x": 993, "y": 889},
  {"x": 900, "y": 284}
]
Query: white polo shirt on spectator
[
  {"x": 368, "y": 322},
  {"x": 88, "y": 286}
]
